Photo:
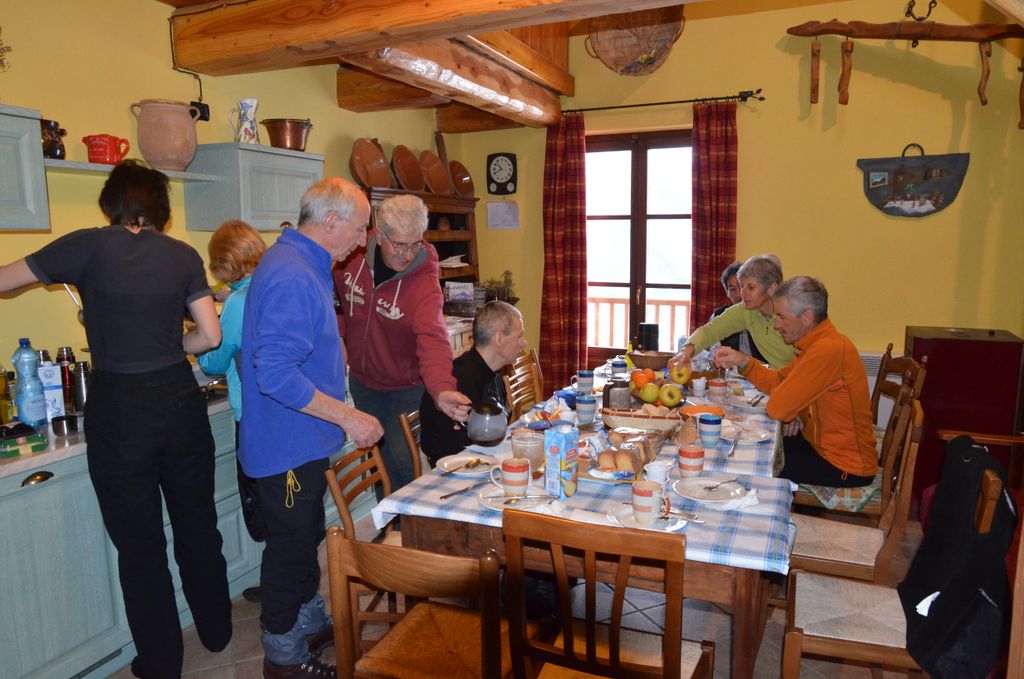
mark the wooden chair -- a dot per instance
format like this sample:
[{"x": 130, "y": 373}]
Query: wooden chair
[
  {"x": 431, "y": 639},
  {"x": 911, "y": 374},
  {"x": 598, "y": 553},
  {"x": 870, "y": 501},
  {"x": 1015, "y": 666},
  {"x": 352, "y": 474},
  {"x": 859, "y": 621},
  {"x": 411, "y": 426},
  {"x": 856, "y": 551},
  {"x": 529, "y": 357},
  {"x": 522, "y": 390}
]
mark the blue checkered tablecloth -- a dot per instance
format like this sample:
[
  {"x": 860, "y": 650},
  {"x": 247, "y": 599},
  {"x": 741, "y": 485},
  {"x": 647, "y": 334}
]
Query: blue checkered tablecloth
[{"x": 758, "y": 537}]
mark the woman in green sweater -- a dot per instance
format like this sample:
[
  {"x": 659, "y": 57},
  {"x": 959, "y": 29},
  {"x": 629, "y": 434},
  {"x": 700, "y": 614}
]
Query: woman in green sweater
[{"x": 759, "y": 277}]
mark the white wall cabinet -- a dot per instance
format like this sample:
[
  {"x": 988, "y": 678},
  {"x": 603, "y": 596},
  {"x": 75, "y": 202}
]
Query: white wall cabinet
[
  {"x": 260, "y": 185},
  {"x": 23, "y": 200}
]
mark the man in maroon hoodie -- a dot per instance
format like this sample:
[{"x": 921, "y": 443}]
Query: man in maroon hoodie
[{"x": 395, "y": 336}]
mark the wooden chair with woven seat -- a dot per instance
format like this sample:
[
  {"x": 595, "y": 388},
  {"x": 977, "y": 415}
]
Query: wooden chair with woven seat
[
  {"x": 860, "y": 621},
  {"x": 872, "y": 500},
  {"x": 598, "y": 553},
  {"x": 431, "y": 639},
  {"x": 910, "y": 372},
  {"x": 864, "y": 552},
  {"x": 522, "y": 390},
  {"x": 410, "y": 423}
]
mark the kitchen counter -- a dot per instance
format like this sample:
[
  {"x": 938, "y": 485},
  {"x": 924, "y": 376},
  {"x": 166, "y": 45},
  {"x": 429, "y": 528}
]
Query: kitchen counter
[{"x": 64, "y": 447}]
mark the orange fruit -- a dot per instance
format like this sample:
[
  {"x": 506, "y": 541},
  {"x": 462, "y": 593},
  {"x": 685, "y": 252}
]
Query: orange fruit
[
  {"x": 640, "y": 377},
  {"x": 650, "y": 374}
]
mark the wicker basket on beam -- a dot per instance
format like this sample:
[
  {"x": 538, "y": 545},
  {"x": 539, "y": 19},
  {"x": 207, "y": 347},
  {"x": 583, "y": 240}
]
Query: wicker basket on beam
[{"x": 635, "y": 43}]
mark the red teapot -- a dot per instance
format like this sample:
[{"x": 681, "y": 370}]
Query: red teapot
[{"x": 106, "y": 148}]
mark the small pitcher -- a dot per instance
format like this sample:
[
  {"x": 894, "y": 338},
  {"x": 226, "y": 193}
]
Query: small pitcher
[{"x": 243, "y": 121}]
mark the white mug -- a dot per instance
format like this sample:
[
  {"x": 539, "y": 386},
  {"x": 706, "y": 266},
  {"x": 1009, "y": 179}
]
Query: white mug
[
  {"x": 515, "y": 476},
  {"x": 649, "y": 502},
  {"x": 700, "y": 384},
  {"x": 583, "y": 381},
  {"x": 658, "y": 471}
]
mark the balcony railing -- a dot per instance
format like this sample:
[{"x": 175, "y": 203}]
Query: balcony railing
[{"x": 608, "y": 321}]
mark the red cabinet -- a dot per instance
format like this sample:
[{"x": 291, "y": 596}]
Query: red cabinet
[{"x": 974, "y": 382}]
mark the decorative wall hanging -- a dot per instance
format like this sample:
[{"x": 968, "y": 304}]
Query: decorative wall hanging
[
  {"x": 635, "y": 43},
  {"x": 914, "y": 186},
  {"x": 917, "y": 30}
]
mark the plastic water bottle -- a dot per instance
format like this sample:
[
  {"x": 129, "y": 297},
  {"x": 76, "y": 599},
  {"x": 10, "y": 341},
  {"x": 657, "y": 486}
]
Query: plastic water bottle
[{"x": 29, "y": 396}]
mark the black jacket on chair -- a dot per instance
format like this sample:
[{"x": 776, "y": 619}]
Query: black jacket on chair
[{"x": 966, "y": 625}]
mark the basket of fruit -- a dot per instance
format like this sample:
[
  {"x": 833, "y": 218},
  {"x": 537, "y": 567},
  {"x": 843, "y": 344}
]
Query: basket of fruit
[{"x": 655, "y": 360}]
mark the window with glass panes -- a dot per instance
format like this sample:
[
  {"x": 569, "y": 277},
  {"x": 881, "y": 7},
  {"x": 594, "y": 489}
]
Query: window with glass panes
[{"x": 639, "y": 240}]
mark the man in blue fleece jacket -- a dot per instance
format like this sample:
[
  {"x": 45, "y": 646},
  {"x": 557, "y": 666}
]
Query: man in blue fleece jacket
[{"x": 295, "y": 417}]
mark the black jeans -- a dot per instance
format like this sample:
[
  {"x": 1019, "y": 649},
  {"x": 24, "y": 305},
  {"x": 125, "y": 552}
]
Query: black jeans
[
  {"x": 148, "y": 435},
  {"x": 293, "y": 510},
  {"x": 805, "y": 465}
]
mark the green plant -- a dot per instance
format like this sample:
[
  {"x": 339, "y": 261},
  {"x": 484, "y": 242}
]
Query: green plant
[{"x": 502, "y": 289}]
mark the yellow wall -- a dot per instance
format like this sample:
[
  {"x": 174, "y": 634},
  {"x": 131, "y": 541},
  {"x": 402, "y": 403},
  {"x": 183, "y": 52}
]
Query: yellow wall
[
  {"x": 800, "y": 192},
  {"x": 84, "y": 64}
]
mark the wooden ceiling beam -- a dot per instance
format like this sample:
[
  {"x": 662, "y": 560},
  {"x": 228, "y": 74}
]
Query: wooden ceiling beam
[
  {"x": 506, "y": 49},
  {"x": 258, "y": 35},
  {"x": 364, "y": 92},
  {"x": 456, "y": 117},
  {"x": 449, "y": 69}
]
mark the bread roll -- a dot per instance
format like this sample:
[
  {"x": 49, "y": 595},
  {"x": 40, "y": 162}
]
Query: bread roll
[
  {"x": 624, "y": 461},
  {"x": 606, "y": 460},
  {"x": 736, "y": 388}
]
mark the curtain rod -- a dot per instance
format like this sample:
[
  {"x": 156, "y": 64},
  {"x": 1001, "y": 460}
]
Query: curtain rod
[{"x": 741, "y": 97}]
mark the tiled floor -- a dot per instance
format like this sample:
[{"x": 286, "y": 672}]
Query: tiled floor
[{"x": 243, "y": 657}]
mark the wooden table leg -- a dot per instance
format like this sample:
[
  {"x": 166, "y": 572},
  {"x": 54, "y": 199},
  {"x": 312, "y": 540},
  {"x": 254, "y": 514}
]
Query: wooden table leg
[{"x": 748, "y": 617}]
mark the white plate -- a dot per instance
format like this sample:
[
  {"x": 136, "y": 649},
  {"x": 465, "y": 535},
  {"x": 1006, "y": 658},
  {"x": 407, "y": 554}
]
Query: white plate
[
  {"x": 692, "y": 488},
  {"x": 624, "y": 516},
  {"x": 747, "y": 437},
  {"x": 455, "y": 461},
  {"x": 744, "y": 401},
  {"x": 494, "y": 498}
]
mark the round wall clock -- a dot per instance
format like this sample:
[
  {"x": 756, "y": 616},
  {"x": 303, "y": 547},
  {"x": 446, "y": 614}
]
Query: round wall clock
[{"x": 502, "y": 176}]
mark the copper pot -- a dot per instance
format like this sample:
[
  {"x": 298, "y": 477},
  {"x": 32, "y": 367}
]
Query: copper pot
[{"x": 287, "y": 133}]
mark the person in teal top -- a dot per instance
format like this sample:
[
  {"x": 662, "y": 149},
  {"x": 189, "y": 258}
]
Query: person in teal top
[
  {"x": 235, "y": 249},
  {"x": 759, "y": 277}
]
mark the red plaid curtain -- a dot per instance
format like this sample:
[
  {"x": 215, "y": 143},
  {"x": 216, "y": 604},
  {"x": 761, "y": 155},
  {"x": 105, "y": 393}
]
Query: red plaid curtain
[
  {"x": 563, "y": 325},
  {"x": 714, "y": 203}
]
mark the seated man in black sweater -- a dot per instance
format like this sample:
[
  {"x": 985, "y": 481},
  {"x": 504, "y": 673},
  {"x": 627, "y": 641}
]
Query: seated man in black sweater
[{"x": 497, "y": 341}]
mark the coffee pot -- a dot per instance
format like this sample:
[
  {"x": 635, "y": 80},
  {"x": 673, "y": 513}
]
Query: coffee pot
[
  {"x": 616, "y": 394},
  {"x": 487, "y": 423}
]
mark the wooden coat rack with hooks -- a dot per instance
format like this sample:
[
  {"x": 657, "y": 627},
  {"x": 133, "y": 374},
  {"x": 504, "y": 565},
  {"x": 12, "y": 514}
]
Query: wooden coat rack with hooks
[{"x": 983, "y": 34}]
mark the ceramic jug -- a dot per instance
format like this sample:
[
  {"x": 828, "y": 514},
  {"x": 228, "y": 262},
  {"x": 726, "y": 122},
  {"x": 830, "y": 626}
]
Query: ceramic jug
[
  {"x": 243, "y": 121},
  {"x": 51, "y": 133},
  {"x": 106, "y": 148},
  {"x": 167, "y": 133}
]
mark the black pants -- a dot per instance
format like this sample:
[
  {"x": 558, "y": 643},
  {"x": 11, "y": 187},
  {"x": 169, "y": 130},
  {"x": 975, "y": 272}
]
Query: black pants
[
  {"x": 293, "y": 509},
  {"x": 148, "y": 434},
  {"x": 248, "y": 493},
  {"x": 805, "y": 465}
]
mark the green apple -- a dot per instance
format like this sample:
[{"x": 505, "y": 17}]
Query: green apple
[
  {"x": 649, "y": 393},
  {"x": 670, "y": 395},
  {"x": 680, "y": 373}
]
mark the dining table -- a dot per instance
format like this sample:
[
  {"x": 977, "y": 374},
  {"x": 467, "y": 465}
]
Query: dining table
[{"x": 730, "y": 556}]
